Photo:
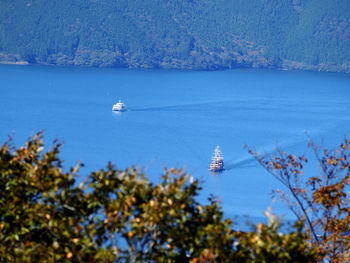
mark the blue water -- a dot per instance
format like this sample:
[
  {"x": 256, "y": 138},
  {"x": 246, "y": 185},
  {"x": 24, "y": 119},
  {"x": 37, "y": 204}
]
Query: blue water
[{"x": 177, "y": 119}]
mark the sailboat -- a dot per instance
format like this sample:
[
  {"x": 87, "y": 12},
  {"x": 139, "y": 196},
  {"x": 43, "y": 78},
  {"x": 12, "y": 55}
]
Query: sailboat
[{"x": 217, "y": 163}]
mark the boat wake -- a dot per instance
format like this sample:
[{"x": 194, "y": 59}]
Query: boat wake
[
  {"x": 237, "y": 104},
  {"x": 185, "y": 107},
  {"x": 242, "y": 163},
  {"x": 164, "y": 108},
  {"x": 250, "y": 161}
]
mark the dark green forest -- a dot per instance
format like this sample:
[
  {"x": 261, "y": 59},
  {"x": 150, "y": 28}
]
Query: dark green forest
[{"x": 174, "y": 34}]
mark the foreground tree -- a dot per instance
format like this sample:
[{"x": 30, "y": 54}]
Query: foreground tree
[
  {"x": 266, "y": 243},
  {"x": 321, "y": 200},
  {"x": 120, "y": 216}
]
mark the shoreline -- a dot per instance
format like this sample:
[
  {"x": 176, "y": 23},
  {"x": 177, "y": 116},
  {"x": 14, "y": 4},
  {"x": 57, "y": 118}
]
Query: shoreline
[
  {"x": 14, "y": 63},
  {"x": 287, "y": 66}
]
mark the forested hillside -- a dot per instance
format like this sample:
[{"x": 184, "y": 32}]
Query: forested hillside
[{"x": 181, "y": 34}]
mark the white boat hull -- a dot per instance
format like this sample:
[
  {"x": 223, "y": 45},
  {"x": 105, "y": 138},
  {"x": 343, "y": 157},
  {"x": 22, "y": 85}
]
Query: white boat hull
[{"x": 120, "y": 106}]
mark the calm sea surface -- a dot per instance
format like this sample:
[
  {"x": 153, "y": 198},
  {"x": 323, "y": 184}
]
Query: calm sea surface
[{"x": 177, "y": 119}]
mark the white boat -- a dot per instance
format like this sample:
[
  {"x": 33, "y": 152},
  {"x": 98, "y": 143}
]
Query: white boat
[
  {"x": 217, "y": 163},
  {"x": 119, "y": 106}
]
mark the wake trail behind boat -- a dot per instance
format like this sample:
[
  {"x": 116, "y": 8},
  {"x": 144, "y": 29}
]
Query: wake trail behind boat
[
  {"x": 299, "y": 137},
  {"x": 241, "y": 163},
  {"x": 184, "y": 107},
  {"x": 250, "y": 161},
  {"x": 239, "y": 104}
]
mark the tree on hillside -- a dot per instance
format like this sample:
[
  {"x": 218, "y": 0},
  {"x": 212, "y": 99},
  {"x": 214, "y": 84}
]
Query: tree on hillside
[
  {"x": 120, "y": 216},
  {"x": 321, "y": 200}
]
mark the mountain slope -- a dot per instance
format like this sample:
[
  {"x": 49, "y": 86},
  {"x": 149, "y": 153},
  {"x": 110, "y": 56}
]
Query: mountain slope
[{"x": 181, "y": 34}]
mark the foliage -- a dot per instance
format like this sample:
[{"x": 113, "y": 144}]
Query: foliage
[
  {"x": 268, "y": 244},
  {"x": 193, "y": 34},
  {"x": 322, "y": 200},
  {"x": 43, "y": 216},
  {"x": 120, "y": 216}
]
